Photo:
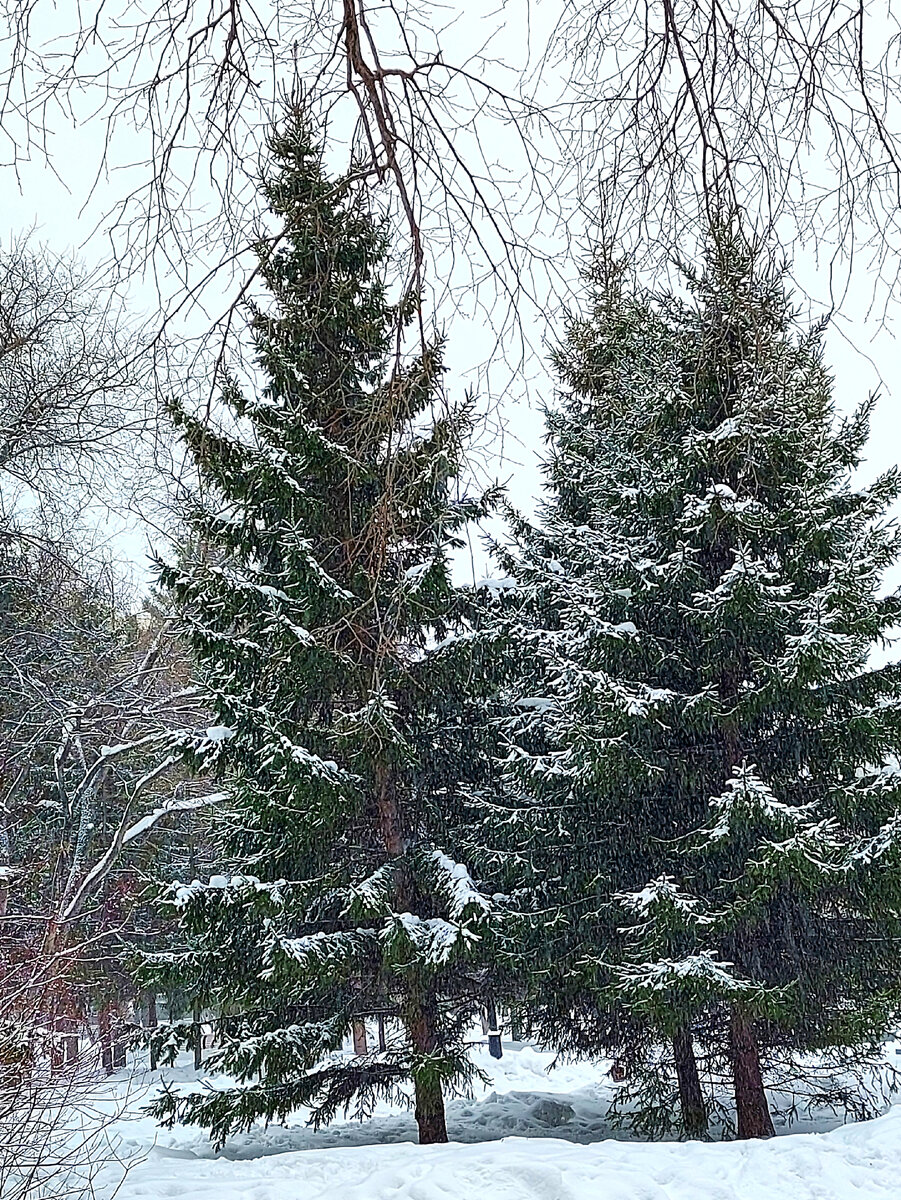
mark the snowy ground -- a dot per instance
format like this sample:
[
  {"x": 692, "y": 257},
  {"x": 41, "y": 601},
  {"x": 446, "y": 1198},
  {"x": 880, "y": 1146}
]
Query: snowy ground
[{"x": 531, "y": 1135}]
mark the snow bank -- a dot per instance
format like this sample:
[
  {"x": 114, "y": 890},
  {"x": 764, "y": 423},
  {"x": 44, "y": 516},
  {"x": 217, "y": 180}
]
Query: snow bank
[
  {"x": 531, "y": 1134},
  {"x": 853, "y": 1162}
]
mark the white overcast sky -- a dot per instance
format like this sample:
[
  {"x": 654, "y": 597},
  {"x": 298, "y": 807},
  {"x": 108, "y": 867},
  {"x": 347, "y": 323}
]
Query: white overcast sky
[{"x": 861, "y": 347}]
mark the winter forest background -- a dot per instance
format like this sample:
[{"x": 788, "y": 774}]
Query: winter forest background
[{"x": 448, "y": 566}]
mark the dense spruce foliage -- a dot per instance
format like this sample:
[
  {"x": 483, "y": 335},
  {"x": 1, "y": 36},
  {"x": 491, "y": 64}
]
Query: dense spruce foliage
[
  {"x": 701, "y": 786},
  {"x": 636, "y": 796},
  {"x": 316, "y": 595}
]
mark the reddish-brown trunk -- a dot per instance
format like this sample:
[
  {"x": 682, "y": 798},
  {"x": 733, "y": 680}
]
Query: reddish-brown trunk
[
  {"x": 421, "y": 1009},
  {"x": 389, "y": 818},
  {"x": 752, "y": 1110},
  {"x": 421, "y": 1029},
  {"x": 421, "y": 1023},
  {"x": 361, "y": 1046},
  {"x": 691, "y": 1097},
  {"x": 430, "y": 1112}
]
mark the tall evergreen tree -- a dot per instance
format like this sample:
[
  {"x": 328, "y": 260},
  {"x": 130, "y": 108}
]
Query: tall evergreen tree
[
  {"x": 318, "y": 602},
  {"x": 695, "y": 707}
]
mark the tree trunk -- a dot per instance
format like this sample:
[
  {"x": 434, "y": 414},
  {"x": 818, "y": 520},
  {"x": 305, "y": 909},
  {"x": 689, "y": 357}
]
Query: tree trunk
[
  {"x": 152, "y": 1023},
  {"x": 691, "y": 1097},
  {"x": 516, "y": 1030},
  {"x": 198, "y": 1037},
  {"x": 422, "y": 1031},
  {"x": 57, "y": 1024},
  {"x": 383, "y": 1041},
  {"x": 421, "y": 1016},
  {"x": 106, "y": 1039},
  {"x": 752, "y": 1110},
  {"x": 120, "y": 1054},
  {"x": 358, "y": 1028},
  {"x": 494, "y": 1034},
  {"x": 430, "y": 1112},
  {"x": 358, "y": 1025},
  {"x": 389, "y": 817},
  {"x": 69, "y": 1025}
]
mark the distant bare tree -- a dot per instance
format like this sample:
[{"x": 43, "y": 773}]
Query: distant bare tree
[
  {"x": 55, "y": 1129},
  {"x": 73, "y": 400},
  {"x": 93, "y": 704},
  {"x": 96, "y": 707}
]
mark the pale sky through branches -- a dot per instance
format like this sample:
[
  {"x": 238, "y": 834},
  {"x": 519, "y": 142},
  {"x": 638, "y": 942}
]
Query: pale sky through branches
[{"x": 68, "y": 205}]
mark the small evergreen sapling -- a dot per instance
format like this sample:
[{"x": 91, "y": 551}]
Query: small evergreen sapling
[{"x": 666, "y": 977}]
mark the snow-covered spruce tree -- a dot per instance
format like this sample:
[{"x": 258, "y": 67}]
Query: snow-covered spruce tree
[
  {"x": 699, "y": 605},
  {"x": 662, "y": 979},
  {"x": 318, "y": 602}
]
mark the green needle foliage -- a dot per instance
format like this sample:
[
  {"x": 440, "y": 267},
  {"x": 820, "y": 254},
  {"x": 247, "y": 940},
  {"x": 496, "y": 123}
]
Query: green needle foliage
[
  {"x": 316, "y": 595},
  {"x": 701, "y": 784}
]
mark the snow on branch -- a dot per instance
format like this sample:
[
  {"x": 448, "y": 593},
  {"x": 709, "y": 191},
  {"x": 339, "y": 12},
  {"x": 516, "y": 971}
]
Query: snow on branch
[
  {"x": 456, "y": 882},
  {"x": 150, "y": 819}
]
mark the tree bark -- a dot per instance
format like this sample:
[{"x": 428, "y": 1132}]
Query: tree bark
[
  {"x": 391, "y": 827},
  {"x": 120, "y": 1052},
  {"x": 152, "y": 1023},
  {"x": 516, "y": 1031},
  {"x": 361, "y": 1046},
  {"x": 106, "y": 1039},
  {"x": 752, "y": 1110},
  {"x": 69, "y": 1025},
  {"x": 57, "y": 1024},
  {"x": 422, "y": 1031},
  {"x": 430, "y": 1112},
  {"x": 691, "y": 1097},
  {"x": 494, "y": 1034},
  {"x": 198, "y": 1037},
  {"x": 421, "y": 1016}
]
